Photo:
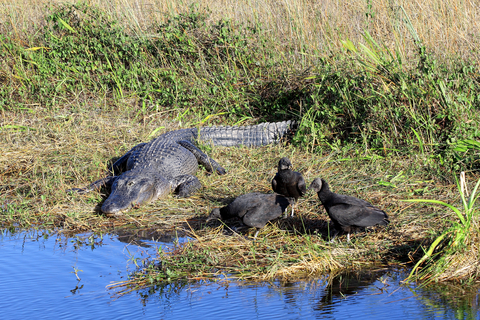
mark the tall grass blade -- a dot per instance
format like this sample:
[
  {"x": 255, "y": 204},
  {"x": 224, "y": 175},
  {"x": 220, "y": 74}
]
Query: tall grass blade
[
  {"x": 473, "y": 196},
  {"x": 461, "y": 243},
  {"x": 410, "y": 27},
  {"x": 429, "y": 253},
  {"x": 420, "y": 141},
  {"x": 66, "y": 25},
  {"x": 349, "y": 45},
  {"x": 457, "y": 212}
]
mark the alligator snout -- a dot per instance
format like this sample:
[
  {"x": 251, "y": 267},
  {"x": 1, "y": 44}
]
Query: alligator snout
[
  {"x": 115, "y": 205},
  {"x": 134, "y": 188}
]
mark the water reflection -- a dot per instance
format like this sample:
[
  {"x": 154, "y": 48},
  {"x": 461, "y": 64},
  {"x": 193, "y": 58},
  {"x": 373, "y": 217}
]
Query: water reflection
[
  {"x": 343, "y": 285},
  {"x": 47, "y": 275},
  {"x": 377, "y": 294},
  {"x": 459, "y": 301},
  {"x": 145, "y": 237}
]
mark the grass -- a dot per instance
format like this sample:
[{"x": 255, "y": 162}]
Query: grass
[
  {"x": 386, "y": 100},
  {"x": 453, "y": 254},
  {"x": 286, "y": 249},
  {"x": 364, "y": 92}
]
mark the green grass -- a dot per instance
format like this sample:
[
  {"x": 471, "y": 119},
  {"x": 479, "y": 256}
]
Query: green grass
[
  {"x": 453, "y": 255},
  {"x": 367, "y": 95},
  {"x": 377, "y": 121}
]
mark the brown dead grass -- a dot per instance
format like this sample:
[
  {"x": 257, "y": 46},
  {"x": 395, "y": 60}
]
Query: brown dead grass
[
  {"x": 66, "y": 149},
  {"x": 302, "y": 29},
  {"x": 47, "y": 152},
  {"x": 460, "y": 264}
]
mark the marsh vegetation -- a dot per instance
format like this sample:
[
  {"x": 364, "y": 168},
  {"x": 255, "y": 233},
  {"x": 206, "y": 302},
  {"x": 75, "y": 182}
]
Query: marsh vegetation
[{"x": 386, "y": 94}]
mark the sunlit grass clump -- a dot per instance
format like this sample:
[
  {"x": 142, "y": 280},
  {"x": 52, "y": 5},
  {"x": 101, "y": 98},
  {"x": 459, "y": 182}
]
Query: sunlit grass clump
[
  {"x": 454, "y": 254},
  {"x": 218, "y": 256}
]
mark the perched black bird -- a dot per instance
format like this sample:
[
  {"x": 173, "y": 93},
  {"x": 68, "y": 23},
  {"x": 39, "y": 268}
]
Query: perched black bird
[
  {"x": 347, "y": 212},
  {"x": 255, "y": 209},
  {"x": 288, "y": 182}
]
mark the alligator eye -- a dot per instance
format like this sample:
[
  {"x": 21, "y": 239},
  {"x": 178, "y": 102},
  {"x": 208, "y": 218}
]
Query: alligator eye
[{"x": 130, "y": 183}]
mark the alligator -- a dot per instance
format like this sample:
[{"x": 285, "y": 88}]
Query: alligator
[{"x": 152, "y": 170}]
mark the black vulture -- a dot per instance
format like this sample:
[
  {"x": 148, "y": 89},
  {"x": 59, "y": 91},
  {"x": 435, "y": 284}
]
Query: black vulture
[
  {"x": 288, "y": 182},
  {"x": 347, "y": 212},
  {"x": 255, "y": 209}
]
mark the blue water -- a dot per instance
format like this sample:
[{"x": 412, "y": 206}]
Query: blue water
[{"x": 38, "y": 280}]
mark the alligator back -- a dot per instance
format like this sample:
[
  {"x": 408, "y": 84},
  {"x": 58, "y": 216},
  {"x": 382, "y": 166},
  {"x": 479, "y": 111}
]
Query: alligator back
[{"x": 249, "y": 136}]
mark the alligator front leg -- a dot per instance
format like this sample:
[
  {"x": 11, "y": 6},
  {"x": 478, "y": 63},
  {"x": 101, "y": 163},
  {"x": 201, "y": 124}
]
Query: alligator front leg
[
  {"x": 121, "y": 164},
  {"x": 118, "y": 167},
  {"x": 97, "y": 185},
  {"x": 209, "y": 164},
  {"x": 185, "y": 185}
]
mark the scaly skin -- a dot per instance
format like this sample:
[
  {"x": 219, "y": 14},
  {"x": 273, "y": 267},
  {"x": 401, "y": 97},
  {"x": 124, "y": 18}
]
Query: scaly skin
[{"x": 152, "y": 170}]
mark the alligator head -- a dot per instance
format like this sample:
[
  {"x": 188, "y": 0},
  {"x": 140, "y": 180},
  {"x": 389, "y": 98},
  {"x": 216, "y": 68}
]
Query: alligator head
[{"x": 133, "y": 188}]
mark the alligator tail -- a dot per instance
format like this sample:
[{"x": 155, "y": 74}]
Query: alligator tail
[{"x": 249, "y": 136}]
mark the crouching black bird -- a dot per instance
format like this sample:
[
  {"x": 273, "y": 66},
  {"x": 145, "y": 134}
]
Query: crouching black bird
[
  {"x": 288, "y": 182},
  {"x": 347, "y": 212},
  {"x": 255, "y": 209}
]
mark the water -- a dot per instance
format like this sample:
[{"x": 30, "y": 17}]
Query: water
[{"x": 38, "y": 280}]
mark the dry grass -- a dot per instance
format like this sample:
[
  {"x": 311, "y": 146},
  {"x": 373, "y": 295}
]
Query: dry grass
[
  {"x": 456, "y": 262},
  {"x": 302, "y": 29},
  {"x": 45, "y": 152},
  {"x": 61, "y": 150}
]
